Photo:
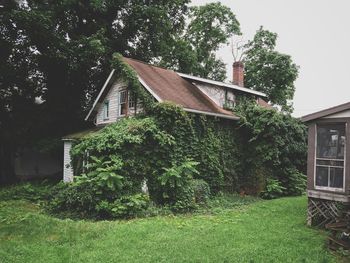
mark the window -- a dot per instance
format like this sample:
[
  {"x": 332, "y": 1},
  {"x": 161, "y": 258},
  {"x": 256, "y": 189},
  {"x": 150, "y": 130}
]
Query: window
[
  {"x": 230, "y": 100},
  {"x": 106, "y": 110},
  {"x": 330, "y": 156},
  {"x": 132, "y": 101},
  {"x": 122, "y": 102},
  {"x": 127, "y": 101}
]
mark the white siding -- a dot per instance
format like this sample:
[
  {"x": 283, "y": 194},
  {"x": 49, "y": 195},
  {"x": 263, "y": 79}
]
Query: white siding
[
  {"x": 67, "y": 166},
  {"x": 112, "y": 97},
  {"x": 216, "y": 93},
  {"x": 343, "y": 114}
]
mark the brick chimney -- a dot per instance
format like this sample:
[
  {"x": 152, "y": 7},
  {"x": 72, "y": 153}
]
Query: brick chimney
[{"x": 238, "y": 73}]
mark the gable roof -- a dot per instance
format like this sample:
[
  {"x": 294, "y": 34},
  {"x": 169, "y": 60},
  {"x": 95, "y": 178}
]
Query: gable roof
[
  {"x": 168, "y": 85},
  {"x": 326, "y": 112}
]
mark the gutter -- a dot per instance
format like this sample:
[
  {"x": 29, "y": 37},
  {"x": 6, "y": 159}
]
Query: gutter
[{"x": 224, "y": 116}]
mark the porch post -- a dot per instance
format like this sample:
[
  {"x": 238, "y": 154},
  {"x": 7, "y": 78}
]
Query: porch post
[{"x": 67, "y": 162}]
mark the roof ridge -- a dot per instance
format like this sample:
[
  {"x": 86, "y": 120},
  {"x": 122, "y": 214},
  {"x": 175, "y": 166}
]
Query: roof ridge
[{"x": 148, "y": 64}]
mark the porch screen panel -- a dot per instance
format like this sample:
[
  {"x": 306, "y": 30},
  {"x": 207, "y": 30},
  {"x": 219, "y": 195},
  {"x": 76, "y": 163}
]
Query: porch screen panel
[{"x": 330, "y": 155}]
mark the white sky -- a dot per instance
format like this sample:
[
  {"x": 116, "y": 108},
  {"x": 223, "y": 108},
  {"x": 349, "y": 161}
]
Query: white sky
[{"x": 315, "y": 33}]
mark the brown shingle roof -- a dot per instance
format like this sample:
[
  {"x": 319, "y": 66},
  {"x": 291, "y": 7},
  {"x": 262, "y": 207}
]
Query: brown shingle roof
[{"x": 169, "y": 86}]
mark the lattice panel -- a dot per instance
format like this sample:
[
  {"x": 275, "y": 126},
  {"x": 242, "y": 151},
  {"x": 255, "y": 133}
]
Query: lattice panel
[{"x": 321, "y": 212}]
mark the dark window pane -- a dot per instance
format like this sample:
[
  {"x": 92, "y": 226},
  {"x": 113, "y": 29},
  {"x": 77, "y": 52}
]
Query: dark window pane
[
  {"x": 331, "y": 141},
  {"x": 321, "y": 176},
  {"x": 336, "y": 177}
]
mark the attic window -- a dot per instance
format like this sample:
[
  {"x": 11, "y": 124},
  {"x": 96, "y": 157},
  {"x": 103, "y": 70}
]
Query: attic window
[
  {"x": 106, "y": 110},
  {"x": 132, "y": 101},
  {"x": 230, "y": 100},
  {"x": 123, "y": 102}
]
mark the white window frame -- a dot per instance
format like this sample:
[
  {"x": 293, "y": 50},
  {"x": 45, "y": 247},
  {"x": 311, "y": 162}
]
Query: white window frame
[
  {"x": 327, "y": 188},
  {"x": 106, "y": 110},
  {"x": 119, "y": 102}
]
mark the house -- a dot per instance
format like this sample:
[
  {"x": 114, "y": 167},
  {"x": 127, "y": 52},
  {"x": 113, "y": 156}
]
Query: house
[
  {"x": 328, "y": 182},
  {"x": 196, "y": 95}
]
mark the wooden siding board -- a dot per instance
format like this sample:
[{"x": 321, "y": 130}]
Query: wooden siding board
[{"x": 113, "y": 98}]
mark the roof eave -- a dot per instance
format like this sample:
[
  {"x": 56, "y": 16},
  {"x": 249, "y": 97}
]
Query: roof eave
[
  {"x": 326, "y": 112},
  {"x": 224, "y": 116},
  {"x": 100, "y": 94},
  {"x": 222, "y": 84}
]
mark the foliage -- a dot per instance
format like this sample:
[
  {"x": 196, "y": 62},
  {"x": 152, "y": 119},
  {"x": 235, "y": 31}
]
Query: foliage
[
  {"x": 102, "y": 174},
  {"x": 176, "y": 185},
  {"x": 273, "y": 189},
  {"x": 193, "y": 50},
  {"x": 169, "y": 149},
  {"x": 101, "y": 192},
  {"x": 60, "y": 52},
  {"x": 34, "y": 191},
  {"x": 276, "y": 149},
  {"x": 126, "y": 73},
  {"x": 124, "y": 207},
  {"x": 270, "y": 71},
  {"x": 201, "y": 191}
]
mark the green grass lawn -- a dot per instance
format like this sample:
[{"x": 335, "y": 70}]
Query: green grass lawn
[{"x": 264, "y": 231}]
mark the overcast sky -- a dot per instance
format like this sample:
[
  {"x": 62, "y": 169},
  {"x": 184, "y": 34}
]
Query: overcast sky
[{"x": 316, "y": 33}]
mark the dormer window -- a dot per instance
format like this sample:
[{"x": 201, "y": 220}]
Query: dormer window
[{"x": 106, "y": 110}]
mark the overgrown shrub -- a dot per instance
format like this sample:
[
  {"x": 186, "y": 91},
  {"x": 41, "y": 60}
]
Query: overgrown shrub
[
  {"x": 177, "y": 186},
  {"x": 201, "y": 191},
  {"x": 273, "y": 189},
  {"x": 34, "y": 191},
  {"x": 171, "y": 150},
  {"x": 275, "y": 149},
  {"x": 124, "y": 207},
  {"x": 101, "y": 186}
]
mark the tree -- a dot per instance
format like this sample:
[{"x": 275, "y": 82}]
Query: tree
[
  {"x": 270, "y": 71},
  {"x": 193, "y": 50},
  {"x": 60, "y": 51}
]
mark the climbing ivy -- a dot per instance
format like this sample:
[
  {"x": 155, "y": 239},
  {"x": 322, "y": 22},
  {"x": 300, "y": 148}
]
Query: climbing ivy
[
  {"x": 125, "y": 72},
  {"x": 264, "y": 152},
  {"x": 275, "y": 149}
]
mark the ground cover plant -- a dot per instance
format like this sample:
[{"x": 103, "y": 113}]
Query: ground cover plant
[{"x": 231, "y": 229}]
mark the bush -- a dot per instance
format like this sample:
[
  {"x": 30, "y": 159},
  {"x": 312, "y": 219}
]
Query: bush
[
  {"x": 72, "y": 199},
  {"x": 93, "y": 192},
  {"x": 273, "y": 189},
  {"x": 275, "y": 147},
  {"x": 35, "y": 191},
  {"x": 201, "y": 191},
  {"x": 177, "y": 186},
  {"x": 124, "y": 207}
]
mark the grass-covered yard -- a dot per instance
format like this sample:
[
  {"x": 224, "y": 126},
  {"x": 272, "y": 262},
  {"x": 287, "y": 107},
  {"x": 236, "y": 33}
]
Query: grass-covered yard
[{"x": 263, "y": 231}]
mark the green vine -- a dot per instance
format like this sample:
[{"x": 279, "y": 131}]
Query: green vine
[{"x": 125, "y": 72}]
